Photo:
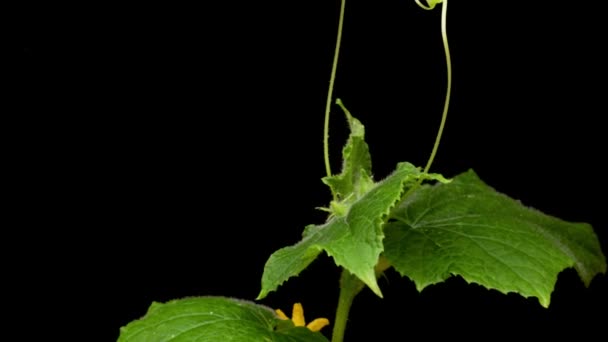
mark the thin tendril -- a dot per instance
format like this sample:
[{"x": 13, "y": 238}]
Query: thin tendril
[
  {"x": 428, "y": 8},
  {"x": 444, "y": 35},
  {"x": 446, "y": 105},
  {"x": 332, "y": 79},
  {"x": 432, "y": 5}
]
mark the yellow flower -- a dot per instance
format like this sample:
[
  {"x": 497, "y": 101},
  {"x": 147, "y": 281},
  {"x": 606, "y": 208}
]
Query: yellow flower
[{"x": 297, "y": 317}]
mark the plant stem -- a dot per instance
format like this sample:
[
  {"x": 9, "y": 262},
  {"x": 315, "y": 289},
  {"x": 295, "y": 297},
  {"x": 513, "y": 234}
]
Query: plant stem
[
  {"x": 330, "y": 92},
  {"x": 350, "y": 286},
  {"x": 446, "y": 105}
]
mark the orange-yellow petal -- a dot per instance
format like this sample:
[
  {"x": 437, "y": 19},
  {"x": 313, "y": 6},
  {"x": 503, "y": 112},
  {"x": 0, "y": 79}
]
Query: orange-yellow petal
[
  {"x": 281, "y": 314},
  {"x": 297, "y": 315},
  {"x": 318, "y": 324}
]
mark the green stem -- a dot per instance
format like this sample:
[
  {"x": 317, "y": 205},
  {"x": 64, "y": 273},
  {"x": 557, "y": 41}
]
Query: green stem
[
  {"x": 332, "y": 80},
  {"x": 350, "y": 286},
  {"x": 446, "y": 105}
]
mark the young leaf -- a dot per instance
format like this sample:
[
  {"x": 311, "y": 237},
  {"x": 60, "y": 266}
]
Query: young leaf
[
  {"x": 355, "y": 178},
  {"x": 213, "y": 319},
  {"x": 353, "y": 240},
  {"x": 466, "y": 228}
]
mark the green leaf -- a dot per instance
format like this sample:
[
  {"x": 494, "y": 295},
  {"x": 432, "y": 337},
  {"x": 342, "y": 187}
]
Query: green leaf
[
  {"x": 213, "y": 319},
  {"x": 353, "y": 240},
  {"x": 355, "y": 178},
  {"x": 466, "y": 228}
]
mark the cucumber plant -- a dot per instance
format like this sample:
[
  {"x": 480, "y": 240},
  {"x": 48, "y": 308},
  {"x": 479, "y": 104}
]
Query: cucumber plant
[{"x": 426, "y": 226}]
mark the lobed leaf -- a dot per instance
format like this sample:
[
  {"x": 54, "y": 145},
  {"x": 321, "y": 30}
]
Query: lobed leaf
[{"x": 466, "y": 228}]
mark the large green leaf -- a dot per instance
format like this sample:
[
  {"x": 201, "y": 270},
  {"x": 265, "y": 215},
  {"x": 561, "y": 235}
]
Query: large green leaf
[
  {"x": 466, "y": 228},
  {"x": 213, "y": 319}
]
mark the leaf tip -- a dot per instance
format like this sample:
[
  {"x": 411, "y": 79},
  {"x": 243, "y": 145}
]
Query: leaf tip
[
  {"x": 262, "y": 295},
  {"x": 373, "y": 285}
]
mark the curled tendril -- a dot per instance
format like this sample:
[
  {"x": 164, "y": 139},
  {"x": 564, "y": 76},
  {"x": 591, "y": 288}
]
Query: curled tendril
[{"x": 431, "y": 4}]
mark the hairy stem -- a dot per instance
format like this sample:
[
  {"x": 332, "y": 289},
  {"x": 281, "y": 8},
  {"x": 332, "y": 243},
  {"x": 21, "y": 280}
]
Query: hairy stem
[{"x": 330, "y": 91}]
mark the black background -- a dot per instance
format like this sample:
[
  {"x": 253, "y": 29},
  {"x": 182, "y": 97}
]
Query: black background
[{"x": 171, "y": 149}]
